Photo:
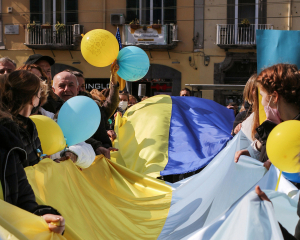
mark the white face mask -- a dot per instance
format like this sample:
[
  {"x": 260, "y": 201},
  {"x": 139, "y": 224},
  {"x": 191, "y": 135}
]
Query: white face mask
[{"x": 123, "y": 105}]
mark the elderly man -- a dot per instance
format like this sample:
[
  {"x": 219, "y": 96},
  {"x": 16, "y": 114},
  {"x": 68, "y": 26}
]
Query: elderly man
[
  {"x": 7, "y": 65},
  {"x": 65, "y": 85}
]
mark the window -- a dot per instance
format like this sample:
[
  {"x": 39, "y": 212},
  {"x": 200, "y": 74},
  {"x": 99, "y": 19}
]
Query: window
[
  {"x": 151, "y": 11},
  {"x": 247, "y": 9},
  {"x": 53, "y": 11}
]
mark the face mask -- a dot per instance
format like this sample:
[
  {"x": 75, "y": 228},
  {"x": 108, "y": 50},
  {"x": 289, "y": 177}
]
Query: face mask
[
  {"x": 272, "y": 114},
  {"x": 123, "y": 105},
  {"x": 34, "y": 110}
]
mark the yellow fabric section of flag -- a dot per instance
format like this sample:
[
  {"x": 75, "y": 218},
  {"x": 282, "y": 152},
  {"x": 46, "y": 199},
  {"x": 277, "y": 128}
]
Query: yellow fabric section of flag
[
  {"x": 143, "y": 132},
  {"x": 104, "y": 201},
  {"x": 16, "y": 223},
  {"x": 262, "y": 113}
]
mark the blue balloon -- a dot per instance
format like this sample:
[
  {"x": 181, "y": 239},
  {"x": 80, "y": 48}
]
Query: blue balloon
[
  {"x": 79, "y": 118},
  {"x": 133, "y": 62},
  {"x": 293, "y": 177}
]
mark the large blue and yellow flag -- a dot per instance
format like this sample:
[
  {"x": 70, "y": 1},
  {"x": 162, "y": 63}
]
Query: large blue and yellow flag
[
  {"x": 119, "y": 198},
  {"x": 166, "y": 135}
]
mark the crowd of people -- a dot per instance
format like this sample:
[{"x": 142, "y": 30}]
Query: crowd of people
[{"x": 30, "y": 89}]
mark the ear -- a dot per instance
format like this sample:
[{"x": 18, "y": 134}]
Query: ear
[
  {"x": 53, "y": 89},
  {"x": 275, "y": 97}
]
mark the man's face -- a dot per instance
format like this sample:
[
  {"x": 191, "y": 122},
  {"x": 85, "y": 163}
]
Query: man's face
[
  {"x": 46, "y": 67},
  {"x": 7, "y": 67},
  {"x": 184, "y": 93},
  {"x": 81, "y": 83},
  {"x": 65, "y": 85},
  {"x": 123, "y": 98}
]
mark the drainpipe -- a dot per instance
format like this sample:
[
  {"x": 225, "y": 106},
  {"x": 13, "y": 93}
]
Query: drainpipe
[
  {"x": 104, "y": 13},
  {"x": 290, "y": 16}
]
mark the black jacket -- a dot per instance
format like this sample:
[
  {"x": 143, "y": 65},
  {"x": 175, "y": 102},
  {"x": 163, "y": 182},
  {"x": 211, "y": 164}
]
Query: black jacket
[
  {"x": 25, "y": 130},
  {"x": 53, "y": 105},
  {"x": 16, "y": 189},
  {"x": 262, "y": 135}
]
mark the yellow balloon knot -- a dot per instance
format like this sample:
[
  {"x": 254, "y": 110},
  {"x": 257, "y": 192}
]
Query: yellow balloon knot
[{"x": 82, "y": 35}]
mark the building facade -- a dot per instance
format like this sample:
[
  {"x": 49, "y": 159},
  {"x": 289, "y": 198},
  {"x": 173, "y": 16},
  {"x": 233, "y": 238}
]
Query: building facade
[{"x": 187, "y": 41}]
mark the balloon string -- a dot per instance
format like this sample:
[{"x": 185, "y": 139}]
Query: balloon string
[{"x": 276, "y": 189}]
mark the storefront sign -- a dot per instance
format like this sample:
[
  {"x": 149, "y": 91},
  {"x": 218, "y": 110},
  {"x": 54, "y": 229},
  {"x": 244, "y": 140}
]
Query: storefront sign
[{"x": 96, "y": 83}]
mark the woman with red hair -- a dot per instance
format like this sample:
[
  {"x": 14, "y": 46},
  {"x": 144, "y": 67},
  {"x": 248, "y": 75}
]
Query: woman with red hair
[{"x": 279, "y": 87}]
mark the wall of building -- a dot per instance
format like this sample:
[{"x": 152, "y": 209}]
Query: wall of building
[{"x": 96, "y": 14}]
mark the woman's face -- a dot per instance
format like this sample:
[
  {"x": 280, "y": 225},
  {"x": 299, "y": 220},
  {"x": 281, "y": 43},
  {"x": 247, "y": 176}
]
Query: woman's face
[
  {"x": 266, "y": 98},
  {"x": 36, "y": 72}
]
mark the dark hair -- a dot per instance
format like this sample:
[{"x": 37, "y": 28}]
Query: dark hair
[
  {"x": 124, "y": 94},
  {"x": 18, "y": 89},
  {"x": 284, "y": 79},
  {"x": 232, "y": 104},
  {"x": 186, "y": 89}
]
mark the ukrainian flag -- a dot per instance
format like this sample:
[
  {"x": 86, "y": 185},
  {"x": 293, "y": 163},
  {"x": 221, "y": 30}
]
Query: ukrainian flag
[
  {"x": 122, "y": 199},
  {"x": 166, "y": 135}
]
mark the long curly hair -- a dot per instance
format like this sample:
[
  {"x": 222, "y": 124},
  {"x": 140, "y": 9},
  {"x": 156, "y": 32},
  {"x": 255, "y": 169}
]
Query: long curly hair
[{"x": 284, "y": 79}]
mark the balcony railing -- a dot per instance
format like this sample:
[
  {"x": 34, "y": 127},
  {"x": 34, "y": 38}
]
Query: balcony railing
[
  {"x": 150, "y": 36},
  {"x": 49, "y": 38},
  {"x": 239, "y": 36}
]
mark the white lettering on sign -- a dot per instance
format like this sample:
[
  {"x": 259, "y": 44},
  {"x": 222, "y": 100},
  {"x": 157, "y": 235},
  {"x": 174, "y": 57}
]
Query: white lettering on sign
[{"x": 96, "y": 85}]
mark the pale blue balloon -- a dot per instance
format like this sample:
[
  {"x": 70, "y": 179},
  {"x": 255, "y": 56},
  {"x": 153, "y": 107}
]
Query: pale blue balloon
[
  {"x": 79, "y": 118},
  {"x": 133, "y": 62}
]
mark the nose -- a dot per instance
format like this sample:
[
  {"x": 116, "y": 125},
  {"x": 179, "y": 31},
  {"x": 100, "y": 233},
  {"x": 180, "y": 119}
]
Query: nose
[{"x": 66, "y": 88}]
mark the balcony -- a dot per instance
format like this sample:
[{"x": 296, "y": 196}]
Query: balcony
[
  {"x": 239, "y": 36},
  {"x": 150, "y": 36},
  {"x": 50, "y": 39}
]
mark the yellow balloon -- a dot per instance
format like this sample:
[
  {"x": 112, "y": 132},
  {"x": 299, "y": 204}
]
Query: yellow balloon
[
  {"x": 283, "y": 146},
  {"x": 99, "y": 47},
  {"x": 50, "y": 134}
]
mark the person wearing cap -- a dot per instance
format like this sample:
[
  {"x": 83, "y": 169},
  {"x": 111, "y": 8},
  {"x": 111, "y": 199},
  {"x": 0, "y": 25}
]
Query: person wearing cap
[
  {"x": 54, "y": 102},
  {"x": 45, "y": 62}
]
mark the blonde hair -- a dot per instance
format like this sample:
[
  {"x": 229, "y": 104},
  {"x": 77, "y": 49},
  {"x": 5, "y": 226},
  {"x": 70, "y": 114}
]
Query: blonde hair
[{"x": 250, "y": 89}]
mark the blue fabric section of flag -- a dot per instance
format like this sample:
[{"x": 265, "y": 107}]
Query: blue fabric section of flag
[
  {"x": 277, "y": 46},
  {"x": 118, "y": 37},
  {"x": 199, "y": 130}
]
